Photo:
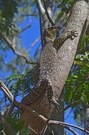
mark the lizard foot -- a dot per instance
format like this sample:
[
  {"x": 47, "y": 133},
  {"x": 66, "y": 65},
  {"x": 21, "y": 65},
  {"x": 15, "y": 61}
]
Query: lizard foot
[
  {"x": 73, "y": 34},
  {"x": 55, "y": 103}
]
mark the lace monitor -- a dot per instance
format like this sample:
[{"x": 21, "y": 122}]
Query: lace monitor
[{"x": 47, "y": 65}]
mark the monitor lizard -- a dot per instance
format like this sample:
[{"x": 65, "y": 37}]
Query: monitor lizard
[{"x": 47, "y": 65}]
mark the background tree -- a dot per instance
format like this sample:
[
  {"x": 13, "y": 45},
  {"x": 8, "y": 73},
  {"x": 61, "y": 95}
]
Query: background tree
[{"x": 71, "y": 14}]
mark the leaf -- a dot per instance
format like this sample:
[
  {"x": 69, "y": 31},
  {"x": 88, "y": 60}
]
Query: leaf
[
  {"x": 19, "y": 125},
  {"x": 26, "y": 131},
  {"x": 75, "y": 76}
]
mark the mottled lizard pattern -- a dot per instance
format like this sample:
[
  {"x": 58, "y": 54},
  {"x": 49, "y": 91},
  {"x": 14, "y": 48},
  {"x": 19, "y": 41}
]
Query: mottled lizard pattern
[{"x": 47, "y": 62}]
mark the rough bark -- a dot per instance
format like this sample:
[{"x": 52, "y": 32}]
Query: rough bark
[{"x": 66, "y": 54}]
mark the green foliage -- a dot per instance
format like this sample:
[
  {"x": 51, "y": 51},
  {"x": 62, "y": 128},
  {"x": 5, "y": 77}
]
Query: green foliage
[
  {"x": 7, "y": 11},
  {"x": 65, "y": 5},
  {"x": 26, "y": 131},
  {"x": 77, "y": 84},
  {"x": 1, "y": 126},
  {"x": 8, "y": 8},
  {"x": 84, "y": 42},
  {"x": 21, "y": 82},
  {"x": 16, "y": 125},
  {"x": 63, "y": 11}
]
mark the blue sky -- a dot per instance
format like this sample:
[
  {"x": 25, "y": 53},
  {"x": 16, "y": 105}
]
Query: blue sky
[
  {"x": 30, "y": 35},
  {"x": 69, "y": 118}
]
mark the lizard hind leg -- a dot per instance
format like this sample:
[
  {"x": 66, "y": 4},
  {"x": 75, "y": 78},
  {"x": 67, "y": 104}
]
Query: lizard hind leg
[{"x": 51, "y": 98}]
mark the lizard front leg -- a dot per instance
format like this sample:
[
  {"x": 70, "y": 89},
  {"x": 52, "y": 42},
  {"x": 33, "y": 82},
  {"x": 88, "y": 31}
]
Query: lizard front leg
[{"x": 58, "y": 42}]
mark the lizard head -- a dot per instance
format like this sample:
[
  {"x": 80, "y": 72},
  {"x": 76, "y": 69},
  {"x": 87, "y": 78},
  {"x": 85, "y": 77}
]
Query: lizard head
[{"x": 50, "y": 32}]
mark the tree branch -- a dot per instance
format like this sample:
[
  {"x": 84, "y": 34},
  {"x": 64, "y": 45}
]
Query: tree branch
[
  {"x": 8, "y": 95},
  {"x": 67, "y": 124},
  {"x": 40, "y": 7},
  {"x": 61, "y": 111},
  {"x": 12, "y": 46},
  {"x": 6, "y": 91},
  {"x": 48, "y": 16}
]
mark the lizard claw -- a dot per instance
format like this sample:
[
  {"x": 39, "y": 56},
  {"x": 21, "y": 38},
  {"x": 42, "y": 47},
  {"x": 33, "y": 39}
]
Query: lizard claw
[
  {"x": 56, "y": 104},
  {"x": 73, "y": 34}
]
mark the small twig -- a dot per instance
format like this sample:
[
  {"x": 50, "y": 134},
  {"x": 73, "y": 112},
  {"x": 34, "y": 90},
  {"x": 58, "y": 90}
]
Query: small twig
[
  {"x": 70, "y": 105},
  {"x": 12, "y": 46},
  {"x": 36, "y": 133},
  {"x": 44, "y": 130},
  {"x": 25, "y": 28},
  {"x": 70, "y": 129},
  {"x": 33, "y": 44},
  {"x": 48, "y": 16},
  {"x": 30, "y": 14},
  {"x": 22, "y": 30}
]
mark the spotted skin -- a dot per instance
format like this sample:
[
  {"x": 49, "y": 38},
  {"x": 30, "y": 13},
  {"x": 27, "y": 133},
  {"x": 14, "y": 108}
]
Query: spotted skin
[{"x": 47, "y": 66}]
